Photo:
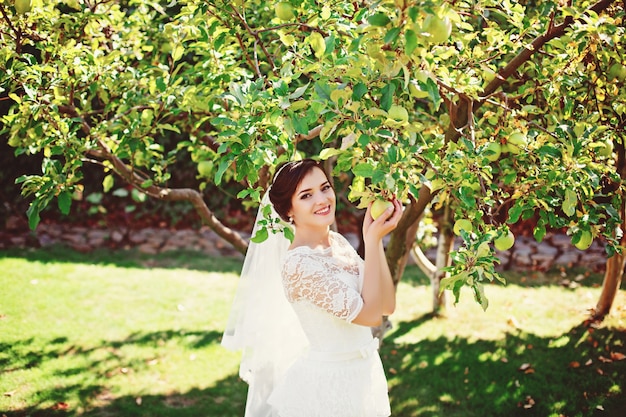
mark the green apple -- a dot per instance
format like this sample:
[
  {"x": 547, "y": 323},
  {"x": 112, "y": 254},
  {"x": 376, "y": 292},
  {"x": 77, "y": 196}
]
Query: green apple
[
  {"x": 166, "y": 48},
  {"x": 398, "y": 113},
  {"x": 439, "y": 28},
  {"x": 504, "y": 242},
  {"x": 516, "y": 142},
  {"x": 493, "y": 151},
  {"x": 22, "y": 6},
  {"x": 586, "y": 239},
  {"x": 618, "y": 71},
  {"x": 284, "y": 10},
  {"x": 462, "y": 224},
  {"x": 15, "y": 141},
  {"x": 488, "y": 74},
  {"x": 379, "y": 206},
  {"x": 205, "y": 168},
  {"x": 606, "y": 150}
]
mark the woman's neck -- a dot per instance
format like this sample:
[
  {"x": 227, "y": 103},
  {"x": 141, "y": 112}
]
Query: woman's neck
[{"x": 318, "y": 238}]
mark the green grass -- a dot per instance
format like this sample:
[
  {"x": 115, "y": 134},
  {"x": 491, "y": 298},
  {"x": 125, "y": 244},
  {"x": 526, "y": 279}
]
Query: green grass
[{"x": 124, "y": 334}]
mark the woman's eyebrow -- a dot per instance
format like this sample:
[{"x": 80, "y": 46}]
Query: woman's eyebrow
[{"x": 310, "y": 189}]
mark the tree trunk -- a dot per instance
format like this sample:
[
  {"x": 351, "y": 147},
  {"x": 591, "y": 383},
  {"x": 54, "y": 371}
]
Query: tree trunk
[
  {"x": 423, "y": 263},
  {"x": 402, "y": 239},
  {"x": 612, "y": 281},
  {"x": 445, "y": 245},
  {"x": 400, "y": 244},
  {"x": 615, "y": 264}
]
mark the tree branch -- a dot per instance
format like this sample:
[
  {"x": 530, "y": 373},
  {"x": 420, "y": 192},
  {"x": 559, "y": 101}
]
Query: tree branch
[
  {"x": 161, "y": 193},
  {"x": 554, "y": 31},
  {"x": 173, "y": 194}
]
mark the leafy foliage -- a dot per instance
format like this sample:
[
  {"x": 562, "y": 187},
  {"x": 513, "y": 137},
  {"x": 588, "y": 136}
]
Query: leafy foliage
[{"x": 505, "y": 111}]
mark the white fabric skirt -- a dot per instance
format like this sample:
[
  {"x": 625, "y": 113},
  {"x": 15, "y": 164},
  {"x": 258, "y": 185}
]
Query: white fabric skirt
[{"x": 331, "y": 384}]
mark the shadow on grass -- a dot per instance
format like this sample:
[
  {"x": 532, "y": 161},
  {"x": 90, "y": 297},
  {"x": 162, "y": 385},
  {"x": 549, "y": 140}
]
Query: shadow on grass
[
  {"x": 227, "y": 398},
  {"x": 132, "y": 258},
  {"x": 580, "y": 373}
]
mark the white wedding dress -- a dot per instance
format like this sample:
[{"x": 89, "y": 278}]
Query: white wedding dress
[{"x": 341, "y": 374}]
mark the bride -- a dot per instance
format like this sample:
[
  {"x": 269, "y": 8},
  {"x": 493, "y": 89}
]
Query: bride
[{"x": 303, "y": 310}]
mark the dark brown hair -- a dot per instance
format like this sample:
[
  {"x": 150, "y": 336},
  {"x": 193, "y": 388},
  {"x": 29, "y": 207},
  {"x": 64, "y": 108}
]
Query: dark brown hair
[{"x": 286, "y": 179}]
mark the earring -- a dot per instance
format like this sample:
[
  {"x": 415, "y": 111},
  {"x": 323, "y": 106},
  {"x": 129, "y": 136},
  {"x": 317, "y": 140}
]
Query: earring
[{"x": 290, "y": 219}]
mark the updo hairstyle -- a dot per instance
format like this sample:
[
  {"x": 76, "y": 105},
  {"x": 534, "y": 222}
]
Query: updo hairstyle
[{"x": 286, "y": 180}]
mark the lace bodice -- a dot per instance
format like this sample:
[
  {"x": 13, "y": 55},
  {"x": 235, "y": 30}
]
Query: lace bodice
[{"x": 324, "y": 287}]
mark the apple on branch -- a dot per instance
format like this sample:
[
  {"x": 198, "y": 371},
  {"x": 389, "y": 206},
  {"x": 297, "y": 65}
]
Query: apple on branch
[
  {"x": 379, "y": 206},
  {"x": 585, "y": 241},
  {"x": 438, "y": 28},
  {"x": 493, "y": 151},
  {"x": 284, "y": 10},
  {"x": 205, "y": 168},
  {"x": 504, "y": 242},
  {"x": 22, "y": 6},
  {"x": 516, "y": 142},
  {"x": 462, "y": 224}
]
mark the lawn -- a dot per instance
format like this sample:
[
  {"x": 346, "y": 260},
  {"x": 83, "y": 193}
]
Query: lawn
[{"x": 125, "y": 334}]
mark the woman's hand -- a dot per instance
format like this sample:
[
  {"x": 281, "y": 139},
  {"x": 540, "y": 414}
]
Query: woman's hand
[{"x": 384, "y": 224}]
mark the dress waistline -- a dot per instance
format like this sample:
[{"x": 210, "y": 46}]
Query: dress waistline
[{"x": 361, "y": 353}]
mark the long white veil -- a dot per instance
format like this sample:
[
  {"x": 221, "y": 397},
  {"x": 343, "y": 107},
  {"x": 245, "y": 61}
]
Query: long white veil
[{"x": 262, "y": 323}]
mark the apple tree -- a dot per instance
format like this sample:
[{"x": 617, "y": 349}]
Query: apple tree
[{"x": 485, "y": 113}]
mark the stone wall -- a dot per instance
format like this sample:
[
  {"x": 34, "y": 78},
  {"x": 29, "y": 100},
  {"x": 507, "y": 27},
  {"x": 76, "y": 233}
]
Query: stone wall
[{"x": 555, "y": 251}]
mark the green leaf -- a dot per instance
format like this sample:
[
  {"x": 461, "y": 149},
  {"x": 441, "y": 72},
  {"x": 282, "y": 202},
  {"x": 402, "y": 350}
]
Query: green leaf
[
  {"x": 379, "y": 19},
  {"x": 288, "y": 232},
  {"x": 387, "y": 99},
  {"x": 392, "y": 154},
  {"x": 379, "y": 176},
  {"x": 64, "y": 201},
  {"x": 108, "y": 183},
  {"x": 454, "y": 283},
  {"x": 33, "y": 215},
  {"x": 260, "y": 236},
  {"x": 224, "y": 164},
  {"x": 330, "y": 43},
  {"x": 299, "y": 92},
  {"x": 15, "y": 98},
  {"x": 363, "y": 169},
  {"x": 322, "y": 90},
  {"x": 515, "y": 212},
  {"x": 392, "y": 35},
  {"x": 466, "y": 195},
  {"x": 479, "y": 295},
  {"x": 539, "y": 232},
  {"x": 569, "y": 202},
  {"x": 328, "y": 129},
  {"x": 329, "y": 152},
  {"x": 410, "y": 39},
  {"x": 359, "y": 91},
  {"x": 177, "y": 52},
  {"x": 300, "y": 124},
  {"x": 433, "y": 92}
]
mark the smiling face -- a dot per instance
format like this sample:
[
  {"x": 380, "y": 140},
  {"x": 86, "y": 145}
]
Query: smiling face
[{"x": 313, "y": 203}]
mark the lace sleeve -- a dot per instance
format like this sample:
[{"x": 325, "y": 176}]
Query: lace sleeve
[{"x": 307, "y": 277}]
